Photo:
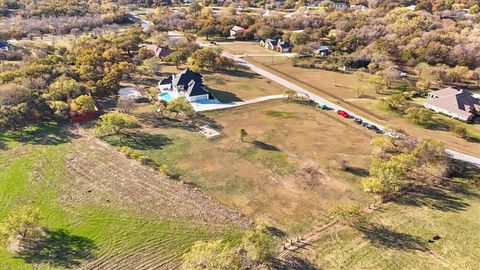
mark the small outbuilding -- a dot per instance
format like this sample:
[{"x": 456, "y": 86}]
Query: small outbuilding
[
  {"x": 133, "y": 94},
  {"x": 236, "y": 29},
  {"x": 157, "y": 51}
]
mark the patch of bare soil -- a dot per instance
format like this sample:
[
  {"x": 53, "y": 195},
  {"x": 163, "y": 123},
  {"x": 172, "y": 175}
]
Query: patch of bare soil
[{"x": 101, "y": 175}]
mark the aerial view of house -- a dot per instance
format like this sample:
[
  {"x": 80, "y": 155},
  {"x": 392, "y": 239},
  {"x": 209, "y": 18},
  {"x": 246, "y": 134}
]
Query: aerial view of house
[
  {"x": 239, "y": 135},
  {"x": 457, "y": 103},
  {"x": 187, "y": 84}
]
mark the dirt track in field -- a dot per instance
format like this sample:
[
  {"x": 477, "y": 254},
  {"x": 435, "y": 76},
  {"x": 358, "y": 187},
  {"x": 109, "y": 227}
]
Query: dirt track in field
[
  {"x": 99, "y": 175},
  {"x": 102, "y": 175}
]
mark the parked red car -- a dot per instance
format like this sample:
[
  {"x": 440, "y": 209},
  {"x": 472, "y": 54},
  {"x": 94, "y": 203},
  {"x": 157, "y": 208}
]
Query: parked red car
[{"x": 343, "y": 113}]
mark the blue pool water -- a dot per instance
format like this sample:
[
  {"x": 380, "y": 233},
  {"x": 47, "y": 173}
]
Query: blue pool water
[{"x": 165, "y": 96}]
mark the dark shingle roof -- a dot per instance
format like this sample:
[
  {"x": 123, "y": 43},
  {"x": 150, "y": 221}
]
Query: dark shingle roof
[
  {"x": 183, "y": 78},
  {"x": 284, "y": 44},
  {"x": 167, "y": 80},
  {"x": 195, "y": 89},
  {"x": 191, "y": 82}
]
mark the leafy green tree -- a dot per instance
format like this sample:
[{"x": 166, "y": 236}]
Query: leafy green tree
[
  {"x": 348, "y": 213},
  {"x": 60, "y": 109},
  {"x": 242, "y": 134},
  {"x": 419, "y": 116},
  {"x": 397, "y": 102},
  {"x": 180, "y": 105},
  {"x": 388, "y": 177},
  {"x": 83, "y": 104},
  {"x": 259, "y": 244},
  {"x": 207, "y": 58},
  {"x": 257, "y": 247},
  {"x": 13, "y": 117},
  {"x": 22, "y": 222},
  {"x": 290, "y": 93},
  {"x": 115, "y": 123},
  {"x": 299, "y": 38},
  {"x": 475, "y": 9},
  {"x": 213, "y": 255},
  {"x": 63, "y": 88},
  {"x": 177, "y": 57}
]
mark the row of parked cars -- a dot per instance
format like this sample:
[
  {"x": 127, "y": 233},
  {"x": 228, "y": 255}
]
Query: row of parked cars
[{"x": 357, "y": 120}]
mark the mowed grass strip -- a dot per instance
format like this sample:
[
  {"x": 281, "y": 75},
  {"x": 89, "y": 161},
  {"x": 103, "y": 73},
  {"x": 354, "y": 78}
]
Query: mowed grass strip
[{"x": 33, "y": 173}]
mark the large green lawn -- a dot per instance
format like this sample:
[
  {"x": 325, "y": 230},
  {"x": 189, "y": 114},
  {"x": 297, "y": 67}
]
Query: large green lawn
[{"x": 33, "y": 172}]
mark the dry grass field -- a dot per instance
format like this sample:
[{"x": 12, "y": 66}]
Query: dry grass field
[
  {"x": 282, "y": 172},
  {"x": 340, "y": 88},
  {"x": 247, "y": 47},
  {"x": 399, "y": 234}
]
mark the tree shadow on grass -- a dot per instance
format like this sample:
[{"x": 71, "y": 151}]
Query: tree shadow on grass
[
  {"x": 432, "y": 197},
  {"x": 295, "y": 263},
  {"x": 202, "y": 120},
  {"x": 384, "y": 237},
  {"x": 59, "y": 249},
  {"x": 357, "y": 171},
  {"x": 3, "y": 145},
  {"x": 462, "y": 169},
  {"x": 439, "y": 125},
  {"x": 265, "y": 146},
  {"x": 139, "y": 140},
  {"x": 41, "y": 134}
]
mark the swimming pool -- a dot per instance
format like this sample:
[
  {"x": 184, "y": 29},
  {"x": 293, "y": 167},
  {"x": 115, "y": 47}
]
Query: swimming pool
[{"x": 165, "y": 96}]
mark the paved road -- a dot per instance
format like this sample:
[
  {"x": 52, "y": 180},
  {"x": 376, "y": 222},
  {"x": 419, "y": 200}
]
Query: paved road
[{"x": 454, "y": 154}]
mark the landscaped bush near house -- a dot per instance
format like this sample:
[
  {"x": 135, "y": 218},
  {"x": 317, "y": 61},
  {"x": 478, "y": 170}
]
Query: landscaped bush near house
[
  {"x": 460, "y": 132},
  {"x": 419, "y": 116}
]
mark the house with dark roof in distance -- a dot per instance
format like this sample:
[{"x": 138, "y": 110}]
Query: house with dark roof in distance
[
  {"x": 276, "y": 45},
  {"x": 322, "y": 51},
  {"x": 188, "y": 84},
  {"x": 459, "y": 104},
  {"x": 269, "y": 43},
  {"x": 283, "y": 46},
  {"x": 157, "y": 51},
  {"x": 340, "y": 4},
  {"x": 4, "y": 45}
]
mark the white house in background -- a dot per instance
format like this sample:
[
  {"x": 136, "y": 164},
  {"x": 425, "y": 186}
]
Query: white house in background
[
  {"x": 411, "y": 7},
  {"x": 358, "y": 7},
  {"x": 234, "y": 30},
  {"x": 460, "y": 104},
  {"x": 188, "y": 84}
]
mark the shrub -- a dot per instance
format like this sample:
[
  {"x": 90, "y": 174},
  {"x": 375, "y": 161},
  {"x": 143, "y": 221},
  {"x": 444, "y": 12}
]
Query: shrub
[
  {"x": 164, "y": 169},
  {"x": 460, "y": 132},
  {"x": 397, "y": 102},
  {"x": 419, "y": 116}
]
